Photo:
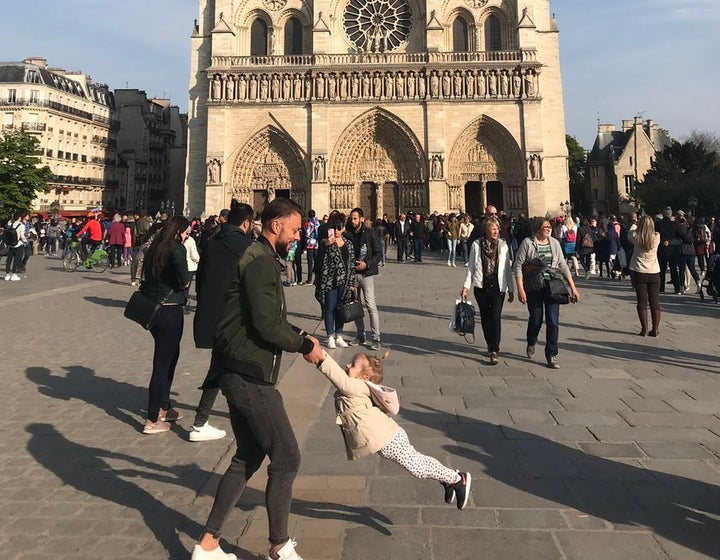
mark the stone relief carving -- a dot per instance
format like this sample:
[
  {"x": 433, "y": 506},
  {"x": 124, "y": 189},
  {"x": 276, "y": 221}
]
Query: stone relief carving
[
  {"x": 436, "y": 167},
  {"x": 535, "y": 167},
  {"x": 320, "y": 169},
  {"x": 214, "y": 168},
  {"x": 268, "y": 87}
]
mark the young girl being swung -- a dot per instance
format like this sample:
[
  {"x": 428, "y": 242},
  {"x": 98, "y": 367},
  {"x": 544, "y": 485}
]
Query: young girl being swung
[{"x": 367, "y": 428}]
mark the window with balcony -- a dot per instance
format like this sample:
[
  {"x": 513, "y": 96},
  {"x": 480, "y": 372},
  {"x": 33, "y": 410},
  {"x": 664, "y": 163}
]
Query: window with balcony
[
  {"x": 460, "y": 35},
  {"x": 493, "y": 34},
  {"x": 293, "y": 36},
  {"x": 258, "y": 38},
  {"x": 34, "y": 96},
  {"x": 12, "y": 96}
]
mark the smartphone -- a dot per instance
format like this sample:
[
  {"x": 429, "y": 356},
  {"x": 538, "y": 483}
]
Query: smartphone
[{"x": 331, "y": 233}]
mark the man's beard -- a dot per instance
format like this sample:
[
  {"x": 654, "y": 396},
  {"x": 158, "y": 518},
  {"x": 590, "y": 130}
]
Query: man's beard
[{"x": 281, "y": 249}]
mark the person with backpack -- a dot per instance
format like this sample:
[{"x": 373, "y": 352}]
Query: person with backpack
[
  {"x": 13, "y": 236},
  {"x": 490, "y": 275},
  {"x": 701, "y": 240},
  {"x": 585, "y": 246},
  {"x": 568, "y": 241}
]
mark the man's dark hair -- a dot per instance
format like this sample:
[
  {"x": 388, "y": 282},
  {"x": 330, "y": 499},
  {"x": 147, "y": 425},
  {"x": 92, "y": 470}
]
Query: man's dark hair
[
  {"x": 277, "y": 209},
  {"x": 359, "y": 211},
  {"x": 239, "y": 213},
  {"x": 311, "y": 213},
  {"x": 19, "y": 215},
  {"x": 338, "y": 221}
]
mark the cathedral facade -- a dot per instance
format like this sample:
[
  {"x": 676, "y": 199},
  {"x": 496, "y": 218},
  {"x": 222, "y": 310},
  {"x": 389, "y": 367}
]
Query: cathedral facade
[{"x": 390, "y": 105}]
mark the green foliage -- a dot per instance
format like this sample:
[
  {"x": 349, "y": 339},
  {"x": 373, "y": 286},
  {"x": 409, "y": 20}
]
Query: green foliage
[
  {"x": 21, "y": 175},
  {"x": 681, "y": 171},
  {"x": 577, "y": 158}
]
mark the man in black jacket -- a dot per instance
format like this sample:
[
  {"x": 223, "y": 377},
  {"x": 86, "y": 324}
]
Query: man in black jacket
[
  {"x": 217, "y": 264},
  {"x": 367, "y": 256},
  {"x": 402, "y": 233},
  {"x": 670, "y": 241},
  {"x": 417, "y": 233},
  {"x": 251, "y": 335}
]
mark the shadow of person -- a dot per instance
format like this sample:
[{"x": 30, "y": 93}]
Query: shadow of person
[
  {"x": 114, "y": 397},
  {"x": 106, "y": 302},
  {"x": 679, "y": 509},
  {"x": 87, "y": 469}
]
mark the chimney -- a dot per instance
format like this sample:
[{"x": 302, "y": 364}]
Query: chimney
[
  {"x": 37, "y": 61},
  {"x": 638, "y": 121},
  {"x": 627, "y": 124},
  {"x": 606, "y": 128}
]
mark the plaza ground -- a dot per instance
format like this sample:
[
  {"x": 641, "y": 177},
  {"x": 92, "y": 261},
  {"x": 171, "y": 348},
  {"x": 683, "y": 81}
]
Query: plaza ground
[{"x": 614, "y": 457}]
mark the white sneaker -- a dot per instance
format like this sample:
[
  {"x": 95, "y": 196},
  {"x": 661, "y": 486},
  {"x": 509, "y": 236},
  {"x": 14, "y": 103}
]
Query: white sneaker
[
  {"x": 287, "y": 552},
  {"x": 449, "y": 263},
  {"x": 7, "y": 278},
  {"x": 340, "y": 342},
  {"x": 217, "y": 554},
  {"x": 14, "y": 278},
  {"x": 331, "y": 342},
  {"x": 206, "y": 432},
  {"x": 454, "y": 266}
]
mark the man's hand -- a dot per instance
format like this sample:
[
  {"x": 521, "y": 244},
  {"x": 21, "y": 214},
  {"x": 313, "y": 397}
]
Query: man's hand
[
  {"x": 316, "y": 354},
  {"x": 360, "y": 266}
]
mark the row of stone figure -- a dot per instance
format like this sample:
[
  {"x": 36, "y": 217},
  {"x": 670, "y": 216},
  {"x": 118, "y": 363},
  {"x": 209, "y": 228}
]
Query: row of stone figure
[
  {"x": 447, "y": 84},
  {"x": 347, "y": 196}
]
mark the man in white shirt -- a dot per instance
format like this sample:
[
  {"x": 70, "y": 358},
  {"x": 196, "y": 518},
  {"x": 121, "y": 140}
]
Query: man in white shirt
[{"x": 15, "y": 247}]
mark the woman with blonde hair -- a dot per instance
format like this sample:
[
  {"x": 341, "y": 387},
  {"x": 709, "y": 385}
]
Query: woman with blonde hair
[
  {"x": 490, "y": 275},
  {"x": 645, "y": 272},
  {"x": 568, "y": 240}
]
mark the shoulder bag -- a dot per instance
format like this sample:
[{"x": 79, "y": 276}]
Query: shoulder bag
[
  {"x": 555, "y": 290},
  {"x": 143, "y": 310},
  {"x": 350, "y": 311}
]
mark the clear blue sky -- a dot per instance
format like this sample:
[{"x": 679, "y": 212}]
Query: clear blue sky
[{"x": 621, "y": 58}]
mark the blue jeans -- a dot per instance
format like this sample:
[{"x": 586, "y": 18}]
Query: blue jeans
[
  {"x": 332, "y": 299},
  {"x": 536, "y": 305},
  {"x": 418, "y": 245},
  {"x": 452, "y": 248},
  {"x": 382, "y": 249}
]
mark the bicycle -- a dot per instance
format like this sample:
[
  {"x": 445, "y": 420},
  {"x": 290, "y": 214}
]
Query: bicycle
[{"x": 97, "y": 262}]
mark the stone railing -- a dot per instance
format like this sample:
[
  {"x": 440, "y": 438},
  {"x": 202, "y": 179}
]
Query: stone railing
[{"x": 371, "y": 59}]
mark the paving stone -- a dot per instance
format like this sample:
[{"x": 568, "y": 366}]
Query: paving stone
[
  {"x": 580, "y": 545},
  {"x": 524, "y": 416},
  {"x": 611, "y": 434},
  {"x": 449, "y": 516},
  {"x": 531, "y": 519},
  {"x": 587, "y": 418},
  {"x": 611, "y": 404},
  {"x": 494, "y": 545},
  {"x": 612, "y": 450},
  {"x": 675, "y": 450},
  {"x": 581, "y": 521},
  {"x": 648, "y": 405},
  {"x": 608, "y": 374},
  {"x": 363, "y": 543}
]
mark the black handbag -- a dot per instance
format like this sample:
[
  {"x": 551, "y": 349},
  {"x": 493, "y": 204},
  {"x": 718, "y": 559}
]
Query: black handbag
[
  {"x": 351, "y": 311},
  {"x": 143, "y": 310},
  {"x": 556, "y": 291}
]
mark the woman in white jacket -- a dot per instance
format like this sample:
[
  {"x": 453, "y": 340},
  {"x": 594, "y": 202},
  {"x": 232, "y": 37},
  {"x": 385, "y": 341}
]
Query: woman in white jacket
[{"x": 490, "y": 275}]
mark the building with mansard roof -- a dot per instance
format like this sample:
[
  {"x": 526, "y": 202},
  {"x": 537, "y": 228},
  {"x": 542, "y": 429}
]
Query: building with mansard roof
[
  {"x": 390, "y": 105},
  {"x": 74, "y": 120}
]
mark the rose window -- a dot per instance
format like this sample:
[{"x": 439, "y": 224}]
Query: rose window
[{"x": 377, "y": 25}]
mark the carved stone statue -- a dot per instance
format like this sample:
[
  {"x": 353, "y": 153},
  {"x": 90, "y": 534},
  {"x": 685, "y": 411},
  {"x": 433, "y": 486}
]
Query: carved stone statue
[
  {"x": 213, "y": 172},
  {"x": 389, "y": 85},
  {"x": 458, "y": 84},
  {"x": 230, "y": 88},
  {"x": 297, "y": 87},
  {"x": 492, "y": 84},
  {"x": 215, "y": 95},
  {"x": 319, "y": 168},
  {"x": 470, "y": 83},
  {"x": 446, "y": 87},
  {"x": 421, "y": 85},
  {"x": 343, "y": 86},
  {"x": 354, "y": 86},
  {"x": 264, "y": 87},
  {"x": 530, "y": 89},
  {"x": 332, "y": 86},
  {"x": 253, "y": 88},
  {"x": 535, "y": 167},
  {"x": 286, "y": 87},
  {"x": 308, "y": 87},
  {"x": 242, "y": 88},
  {"x": 434, "y": 84},
  {"x": 504, "y": 84},
  {"x": 275, "y": 87},
  {"x": 481, "y": 84},
  {"x": 436, "y": 167},
  {"x": 377, "y": 85},
  {"x": 320, "y": 86},
  {"x": 365, "y": 86}
]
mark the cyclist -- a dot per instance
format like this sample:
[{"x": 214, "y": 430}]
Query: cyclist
[{"x": 94, "y": 237}]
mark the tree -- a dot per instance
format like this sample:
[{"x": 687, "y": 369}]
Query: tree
[
  {"x": 21, "y": 173},
  {"x": 577, "y": 158},
  {"x": 709, "y": 140},
  {"x": 678, "y": 172}
]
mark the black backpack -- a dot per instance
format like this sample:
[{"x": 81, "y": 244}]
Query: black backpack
[
  {"x": 11, "y": 236},
  {"x": 465, "y": 320}
]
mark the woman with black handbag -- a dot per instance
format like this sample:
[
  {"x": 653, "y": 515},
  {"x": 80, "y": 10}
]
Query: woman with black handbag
[
  {"x": 166, "y": 279},
  {"x": 335, "y": 278},
  {"x": 490, "y": 275},
  {"x": 543, "y": 249}
]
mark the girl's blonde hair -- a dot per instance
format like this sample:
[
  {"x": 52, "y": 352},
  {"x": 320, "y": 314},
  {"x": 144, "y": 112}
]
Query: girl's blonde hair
[
  {"x": 645, "y": 233},
  {"x": 374, "y": 369},
  {"x": 569, "y": 222}
]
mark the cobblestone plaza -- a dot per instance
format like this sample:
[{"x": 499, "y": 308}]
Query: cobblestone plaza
[{"x": 612, "y": 457}]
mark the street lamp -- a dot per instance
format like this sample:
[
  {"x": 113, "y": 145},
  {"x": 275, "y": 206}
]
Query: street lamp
[{"x": 692, "y": 204}]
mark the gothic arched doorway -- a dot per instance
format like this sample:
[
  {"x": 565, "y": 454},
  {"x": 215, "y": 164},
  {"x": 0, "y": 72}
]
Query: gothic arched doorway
[
  {"x": 378, "y": 165},
  {"x": 486, "y": 167},
  {"x": 270, "y": 165}
]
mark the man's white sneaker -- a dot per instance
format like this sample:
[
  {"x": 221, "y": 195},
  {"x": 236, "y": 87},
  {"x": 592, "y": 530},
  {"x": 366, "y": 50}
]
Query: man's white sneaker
[
  {"x": 331, "y": 342},
  {"x": 340, "y": 342},
  {"x": 206, "y": 432},
  {"x": 14, "y": 278},
  {"x": 217, "y": 554},
  {"x": 7, "y": 278},
  {"x": 287, "y": 552}
]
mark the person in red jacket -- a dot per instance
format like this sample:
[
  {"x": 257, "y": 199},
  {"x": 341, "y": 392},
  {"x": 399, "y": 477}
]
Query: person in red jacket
[{"x": 94, "y": 235}]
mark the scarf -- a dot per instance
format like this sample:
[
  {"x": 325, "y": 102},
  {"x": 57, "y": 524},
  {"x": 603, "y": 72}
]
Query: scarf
[
  {"x": 335, "y": 271},
  {"x": 490, "y": 256}
]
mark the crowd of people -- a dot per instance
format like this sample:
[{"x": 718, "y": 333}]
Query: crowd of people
[{"x": 241, "y": 262}]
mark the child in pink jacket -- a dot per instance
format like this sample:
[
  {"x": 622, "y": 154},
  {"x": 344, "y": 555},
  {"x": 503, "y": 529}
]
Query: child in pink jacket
[
  {"x": 366, "y": 427},
  {"x": 127, "y": 246}
]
